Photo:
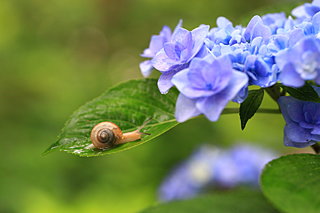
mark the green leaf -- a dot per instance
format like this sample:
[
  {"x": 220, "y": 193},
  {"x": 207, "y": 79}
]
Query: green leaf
[
  {"x": 128, "y": 105},
  {"x": 305, "y": 93},
  {"x": 250, "y": 106},
  {"x": 292, "y": 183},
  {"x": 240, "y": 201}
]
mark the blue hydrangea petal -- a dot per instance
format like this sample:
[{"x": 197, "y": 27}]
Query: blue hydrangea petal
[
  {"x": 316, "y": 22},
  {"x": 289, "y": 142},
  {"x": 164, "y": 81},
  {"x": 185, "y": 108},
  {"x": 290, "y": 77},
  {"x": 291, "y": 109},
  {"x": 161, "y": 61},
  {"x": 316, "y": 130},
  {"x": 181, "y": 81},
  {"x": 198, "y": 35},
  {"x": 250, "y": 27},
  {"x": 296, "y": 133},
  {"x": 223, "y": 22},
  {"x": 146, "y": 68},
  {"x": 212, "y": 106}
]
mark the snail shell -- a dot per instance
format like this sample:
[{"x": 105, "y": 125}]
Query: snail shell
[{"x": 107, "y": 135}]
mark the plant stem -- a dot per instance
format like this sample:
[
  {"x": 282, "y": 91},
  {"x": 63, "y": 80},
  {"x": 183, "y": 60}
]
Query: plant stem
[
  {"x": 261, "y": 110},
  {"x": 274, "y": 92},
  {"x": 316, "y": 148}
]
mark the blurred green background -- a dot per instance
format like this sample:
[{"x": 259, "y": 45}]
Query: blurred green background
[{"x": 54, "y": 56}]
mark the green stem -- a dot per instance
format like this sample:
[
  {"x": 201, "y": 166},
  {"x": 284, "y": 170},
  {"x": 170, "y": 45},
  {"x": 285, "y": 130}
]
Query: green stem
[
  {"x": 274, "y": 92},
  {"x": 261, "y": 110}
]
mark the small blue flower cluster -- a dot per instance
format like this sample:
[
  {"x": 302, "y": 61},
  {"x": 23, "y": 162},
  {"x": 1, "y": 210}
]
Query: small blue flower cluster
[
  {"x": 211, "y": 67},
  {"x": 213, "y": 168}
]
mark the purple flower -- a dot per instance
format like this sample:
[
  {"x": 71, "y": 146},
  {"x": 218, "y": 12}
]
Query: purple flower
[
  {"x": 242, "y": 164},
  {"x": 210, "y": 167},
  {"x": 300, "y": 63},
  {"x": 256, "y": 28},
  {"x": 190, "y": 177},
  {"x": 206, "y": 87},
  {"x": 275, "y": 21},
  {"x": 307, "y": 10},
  {"x": 177, "y": 53},
  {"x": 225, "y": 33},
  {"x": 156, "y": 44},
  {"x": 302, "y": 121}
]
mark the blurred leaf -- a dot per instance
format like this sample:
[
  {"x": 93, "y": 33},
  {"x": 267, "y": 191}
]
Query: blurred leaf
[
  {"x": 128, "y": 105},
  {"x": 233, "y": 201},
  {"x": 305, "y": 93},
  {"x": 250, "y": 106},
  {"x": 292, "y": 183}
]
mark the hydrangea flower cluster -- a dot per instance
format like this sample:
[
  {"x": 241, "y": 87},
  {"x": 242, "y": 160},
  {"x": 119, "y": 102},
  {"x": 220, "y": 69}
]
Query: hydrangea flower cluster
[
  {"x": 211, "y": 67},
  {"x": 212, "y": 168},
  {"x": 303, "y": 121}
]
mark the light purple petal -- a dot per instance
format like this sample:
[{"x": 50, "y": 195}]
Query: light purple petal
[
  {"x": 261, "y": 30},
  {"x": 289, "y": 77},
  {"x": 162, "y": 62},
  {"x": 299, "y": 11},
  {"x": 146, "y": 68},
  {"x": 164, "y": 81},
  {"x": 248, "y": 32},
  {"x": 181, "y": 81},
  {"x": 185, "y": 109},
  {"x": 198, "y": 36},
  {"x": 214, "y": 105},
  {"x": 222, "y": 22},
  {"x": 180, "y": 35}
]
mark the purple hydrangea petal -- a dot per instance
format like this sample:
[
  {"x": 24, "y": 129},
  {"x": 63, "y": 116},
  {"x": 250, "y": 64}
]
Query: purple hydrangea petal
[
  {"x": 250, "y": 27},
  {"x": 291, "y": 109},
  {"x": 198, "y": 36},
  {"x": 185, "y": 108},
  {"x": 296, "y": 133},
  {"x": 316, "y": 130},
  {"x": 146, "y": 68},
  {"x": 288, "y": 142},
  {"x": 161, "y": 61},
  {"x": 290, "y": 77},
  {"x": 212, "y": 106},
  {"x": 164, "y": 81},
  {"x": 181, "y": 81}
]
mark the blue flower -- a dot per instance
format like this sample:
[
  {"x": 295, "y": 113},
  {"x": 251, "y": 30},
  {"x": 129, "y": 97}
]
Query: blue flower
[
  {"x": 225, "y": 33},
  {"x": 210, "y": 167},
  {"x": 156, "y": 44},
  {"x": 302, "y": 121},
  {"x": 242, "y": 164},
  {"x": 206, "y": 87},
  {"x": 275, "y": 21},
  {"x": 256, "y": 28},
  {"x": 306, "y": 10},
  {"x": 177, "y": 53},
  {"x": 300, "y": 63},
  {"x": 191, "y": 176}
]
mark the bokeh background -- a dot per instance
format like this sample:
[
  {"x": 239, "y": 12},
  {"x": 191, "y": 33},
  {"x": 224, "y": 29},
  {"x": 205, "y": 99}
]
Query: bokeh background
[{"x": 54, "y": 56}]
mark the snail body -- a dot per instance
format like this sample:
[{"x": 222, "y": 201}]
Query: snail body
[{"x": 107, "y": 135}]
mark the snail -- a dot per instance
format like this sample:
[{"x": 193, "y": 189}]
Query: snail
[{"x": 107, "y": 135}]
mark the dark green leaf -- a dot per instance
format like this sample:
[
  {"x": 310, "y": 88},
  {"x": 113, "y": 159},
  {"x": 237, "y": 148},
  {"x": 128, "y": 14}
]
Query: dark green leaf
[
  {"x": 250, "y": 106},
  {"x": 128, "y": 105},
  {"x": 292, "y": 183},
  {"x": 242, "y": 201},
  {"x": 305, "y": 93}
]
